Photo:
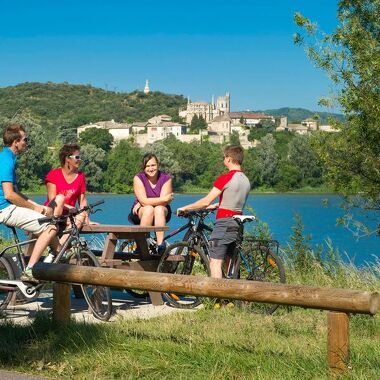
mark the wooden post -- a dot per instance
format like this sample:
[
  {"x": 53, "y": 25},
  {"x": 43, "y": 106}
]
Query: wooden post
[
  {"x": 61, "y": 302},
  {"x": 337, "y": 342}
]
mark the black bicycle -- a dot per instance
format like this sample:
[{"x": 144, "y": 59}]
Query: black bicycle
[
  {"x": 188, "y": 257},
  {"x": 197, "y": 231},
  {"x": 74, "y": 251},
  {"x": 253, "y": 260}
]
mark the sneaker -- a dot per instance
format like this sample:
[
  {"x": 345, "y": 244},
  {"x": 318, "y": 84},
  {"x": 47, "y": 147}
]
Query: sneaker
[
  {"x": 27, "y": 276},
  {"x": 161, "y": 248},
  {"x": 49, "y": 258}
]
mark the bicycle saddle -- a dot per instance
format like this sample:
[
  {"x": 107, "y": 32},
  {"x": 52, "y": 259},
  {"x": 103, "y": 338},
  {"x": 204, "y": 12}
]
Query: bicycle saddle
[{"x": 244, "y": 218}]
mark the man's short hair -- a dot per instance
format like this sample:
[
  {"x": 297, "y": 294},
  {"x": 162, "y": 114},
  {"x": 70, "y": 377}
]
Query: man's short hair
[
  {"x": 235, "y": 152},
  {"x": 12, "y": 133},
  {"x": 66, "y": 151}
]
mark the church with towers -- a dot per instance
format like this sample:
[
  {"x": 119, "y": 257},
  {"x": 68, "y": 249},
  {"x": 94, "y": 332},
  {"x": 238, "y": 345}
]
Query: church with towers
[{"x": 208, "y": 111}]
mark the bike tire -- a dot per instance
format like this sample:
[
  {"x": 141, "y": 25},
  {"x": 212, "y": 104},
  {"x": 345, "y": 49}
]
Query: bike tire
[
  {"x": 6, "y": 273},
  {"x": 97, "y": 297},
  {"x": 259, "y": 263},
  {"x": 195, "y": 263}
]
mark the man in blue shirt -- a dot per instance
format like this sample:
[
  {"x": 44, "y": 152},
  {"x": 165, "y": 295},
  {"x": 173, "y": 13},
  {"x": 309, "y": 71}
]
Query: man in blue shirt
[{"x": 16, "y": 209}]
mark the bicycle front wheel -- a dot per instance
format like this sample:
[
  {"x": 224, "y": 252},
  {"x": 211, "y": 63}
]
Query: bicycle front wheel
[
  {"x": 183, "y": 258},
  {"x": 258, "y": 262},
  {"x": 97, "y": 297},
  {"x": 6, "y": 292}
]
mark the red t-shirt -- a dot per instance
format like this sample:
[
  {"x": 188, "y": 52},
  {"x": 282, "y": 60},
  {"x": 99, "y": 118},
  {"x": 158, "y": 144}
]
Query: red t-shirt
[{"x": 71, "y": 191}]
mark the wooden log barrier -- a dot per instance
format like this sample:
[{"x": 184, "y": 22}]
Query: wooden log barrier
[{"x": 344, "y": 300}]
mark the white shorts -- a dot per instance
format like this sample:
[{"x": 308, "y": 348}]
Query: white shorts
[{"x": 23, "y": 218}]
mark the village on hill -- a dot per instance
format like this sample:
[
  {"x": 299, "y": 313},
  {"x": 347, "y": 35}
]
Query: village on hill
[{"x": 201, "y": 120}]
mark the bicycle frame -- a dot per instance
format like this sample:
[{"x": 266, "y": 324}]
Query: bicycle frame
[{"x": 27, "y": 289}]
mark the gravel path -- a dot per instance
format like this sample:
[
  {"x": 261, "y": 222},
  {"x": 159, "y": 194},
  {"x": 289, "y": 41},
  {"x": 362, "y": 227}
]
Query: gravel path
[{"x": 124, "y": 306}]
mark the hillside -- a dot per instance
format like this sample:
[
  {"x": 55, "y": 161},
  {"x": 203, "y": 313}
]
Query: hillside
[
  {"x": 54, "y": 105},
  {"x": 296, "y": 115}
]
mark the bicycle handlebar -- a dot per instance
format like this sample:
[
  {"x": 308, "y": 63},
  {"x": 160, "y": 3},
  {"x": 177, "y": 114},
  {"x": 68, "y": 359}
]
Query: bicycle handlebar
[
  {"x": 202, "y": 213},
  {"x": 62, "y": 218}
]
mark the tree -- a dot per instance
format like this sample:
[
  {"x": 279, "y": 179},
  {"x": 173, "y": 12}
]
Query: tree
[
  {"x": 197, "y": 123},
  {"x": 302, "y": 156},
  {"x": 99, "y": 137},
  {"x": 234, "y": 138},
  {"x": 350, "y": 56},
  {"x": 123, "y": 162},
  {"x": 267, "y": 161},
  {"x": 92, "y": 165}
]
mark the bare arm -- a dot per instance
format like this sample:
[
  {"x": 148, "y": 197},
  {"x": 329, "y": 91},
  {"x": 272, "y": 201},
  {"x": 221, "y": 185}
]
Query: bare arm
[
  {"x": 203, "y": 202},
  {"x": 19, "y": 199},
  {"x": 166, "y": 194}
]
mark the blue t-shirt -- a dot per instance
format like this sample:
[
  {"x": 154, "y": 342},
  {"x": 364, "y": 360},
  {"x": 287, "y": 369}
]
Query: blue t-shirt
[{"x": 7, "y": 173}]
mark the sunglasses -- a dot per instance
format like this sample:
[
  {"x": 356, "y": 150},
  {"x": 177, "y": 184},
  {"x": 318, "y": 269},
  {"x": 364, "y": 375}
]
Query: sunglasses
[{"x": 77, "y": 156}]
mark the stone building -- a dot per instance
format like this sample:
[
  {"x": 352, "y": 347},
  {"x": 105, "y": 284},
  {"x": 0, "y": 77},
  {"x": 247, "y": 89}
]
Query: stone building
[{"x": 207, "y": 110}]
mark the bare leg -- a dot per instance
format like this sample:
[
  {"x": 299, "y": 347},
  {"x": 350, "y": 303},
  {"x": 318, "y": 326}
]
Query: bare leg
[
  {"x": 146, "y": 215},
  {"x": 160, "y": 213},
  {"x": 47, "y": 236},
  {"x": 216, "y": 268}
]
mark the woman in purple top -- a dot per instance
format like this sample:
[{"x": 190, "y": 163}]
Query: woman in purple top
[{"x": 154, "y": 192}]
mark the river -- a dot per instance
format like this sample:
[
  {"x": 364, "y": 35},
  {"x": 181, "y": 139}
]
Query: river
[{"x": 278, "y": 211}]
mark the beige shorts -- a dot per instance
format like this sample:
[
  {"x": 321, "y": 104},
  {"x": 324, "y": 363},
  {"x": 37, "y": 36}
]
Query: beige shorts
[{"x": 24, "y": 218}]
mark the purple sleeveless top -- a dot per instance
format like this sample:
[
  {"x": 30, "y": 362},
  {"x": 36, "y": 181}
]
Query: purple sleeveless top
[{"x": 150, "y": 192}]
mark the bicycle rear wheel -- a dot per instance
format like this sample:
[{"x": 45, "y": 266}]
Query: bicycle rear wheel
[
  {"x": 182, "y": 258},
  {"x": 97, "y": 297},
  {"x": 257, "y": 262},
  {"x": 6, "y": 292}
]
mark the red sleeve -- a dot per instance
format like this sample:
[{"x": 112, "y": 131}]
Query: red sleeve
[
  {"x": 222, "y": 180},
  {"x": 51, "y": 177}
]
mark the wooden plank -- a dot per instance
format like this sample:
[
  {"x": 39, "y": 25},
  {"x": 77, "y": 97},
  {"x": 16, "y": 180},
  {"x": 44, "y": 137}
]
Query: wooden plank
[
  {"x": 106, "y": 228},
  {"x": 109, "y": 247},
  {"x": 337, "y": 342},
  {"x": 61, "y": 302}
]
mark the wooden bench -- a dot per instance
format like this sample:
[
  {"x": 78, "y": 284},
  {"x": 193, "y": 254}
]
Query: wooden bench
[{"x": 143, "y": 260}]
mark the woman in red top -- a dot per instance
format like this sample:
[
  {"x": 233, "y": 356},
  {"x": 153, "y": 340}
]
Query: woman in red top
[{"x": 66, "y": 186}]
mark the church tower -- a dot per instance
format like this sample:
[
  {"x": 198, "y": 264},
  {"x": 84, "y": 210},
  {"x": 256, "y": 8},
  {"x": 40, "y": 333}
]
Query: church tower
[
  {"x": 146, "y": 88},
  {"x": 223, "y": 104}
]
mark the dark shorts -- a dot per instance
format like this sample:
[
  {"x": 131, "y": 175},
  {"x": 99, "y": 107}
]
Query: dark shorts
[
  {"x": 223, "y": 238},
  {"x": 134, "y": 219}
]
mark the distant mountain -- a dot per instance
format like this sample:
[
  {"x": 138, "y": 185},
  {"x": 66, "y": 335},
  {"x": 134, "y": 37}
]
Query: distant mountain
[{"x": 296, "y": 115}]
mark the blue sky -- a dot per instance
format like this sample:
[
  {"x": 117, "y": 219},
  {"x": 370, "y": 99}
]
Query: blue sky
[{"x": 194, "y": 48}]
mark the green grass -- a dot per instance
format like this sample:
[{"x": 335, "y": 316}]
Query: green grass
[
  {"x": 207, "y": 344},
  {"x": 223, "y": 344}
]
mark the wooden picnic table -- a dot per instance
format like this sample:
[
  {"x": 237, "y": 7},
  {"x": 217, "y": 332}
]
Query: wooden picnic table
[{"x": 143, "y": 260}]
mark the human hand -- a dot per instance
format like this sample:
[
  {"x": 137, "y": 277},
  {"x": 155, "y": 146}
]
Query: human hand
[
  {"x": 213, "y": 206},
  {"x": 40, "y": 209},
  {"x": 169, "y": 197},
  {"x": 136, "y": 208},
  {"x": 181, "y": 211}
]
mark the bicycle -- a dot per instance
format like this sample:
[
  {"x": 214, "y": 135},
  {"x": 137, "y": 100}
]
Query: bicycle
[
  {"x": 188, "y": 257},
  {"x": 73, "y": 251},
  {"x": 252, "y": 259},
  {"x": 197, "y": 231}
]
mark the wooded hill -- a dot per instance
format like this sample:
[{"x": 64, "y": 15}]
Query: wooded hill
[
  {"x": 65, "y": 105},
  {"x": 58, "y": 105}
]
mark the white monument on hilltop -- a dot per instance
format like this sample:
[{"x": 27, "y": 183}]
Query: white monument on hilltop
[{"x": 146, "y": 88}]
